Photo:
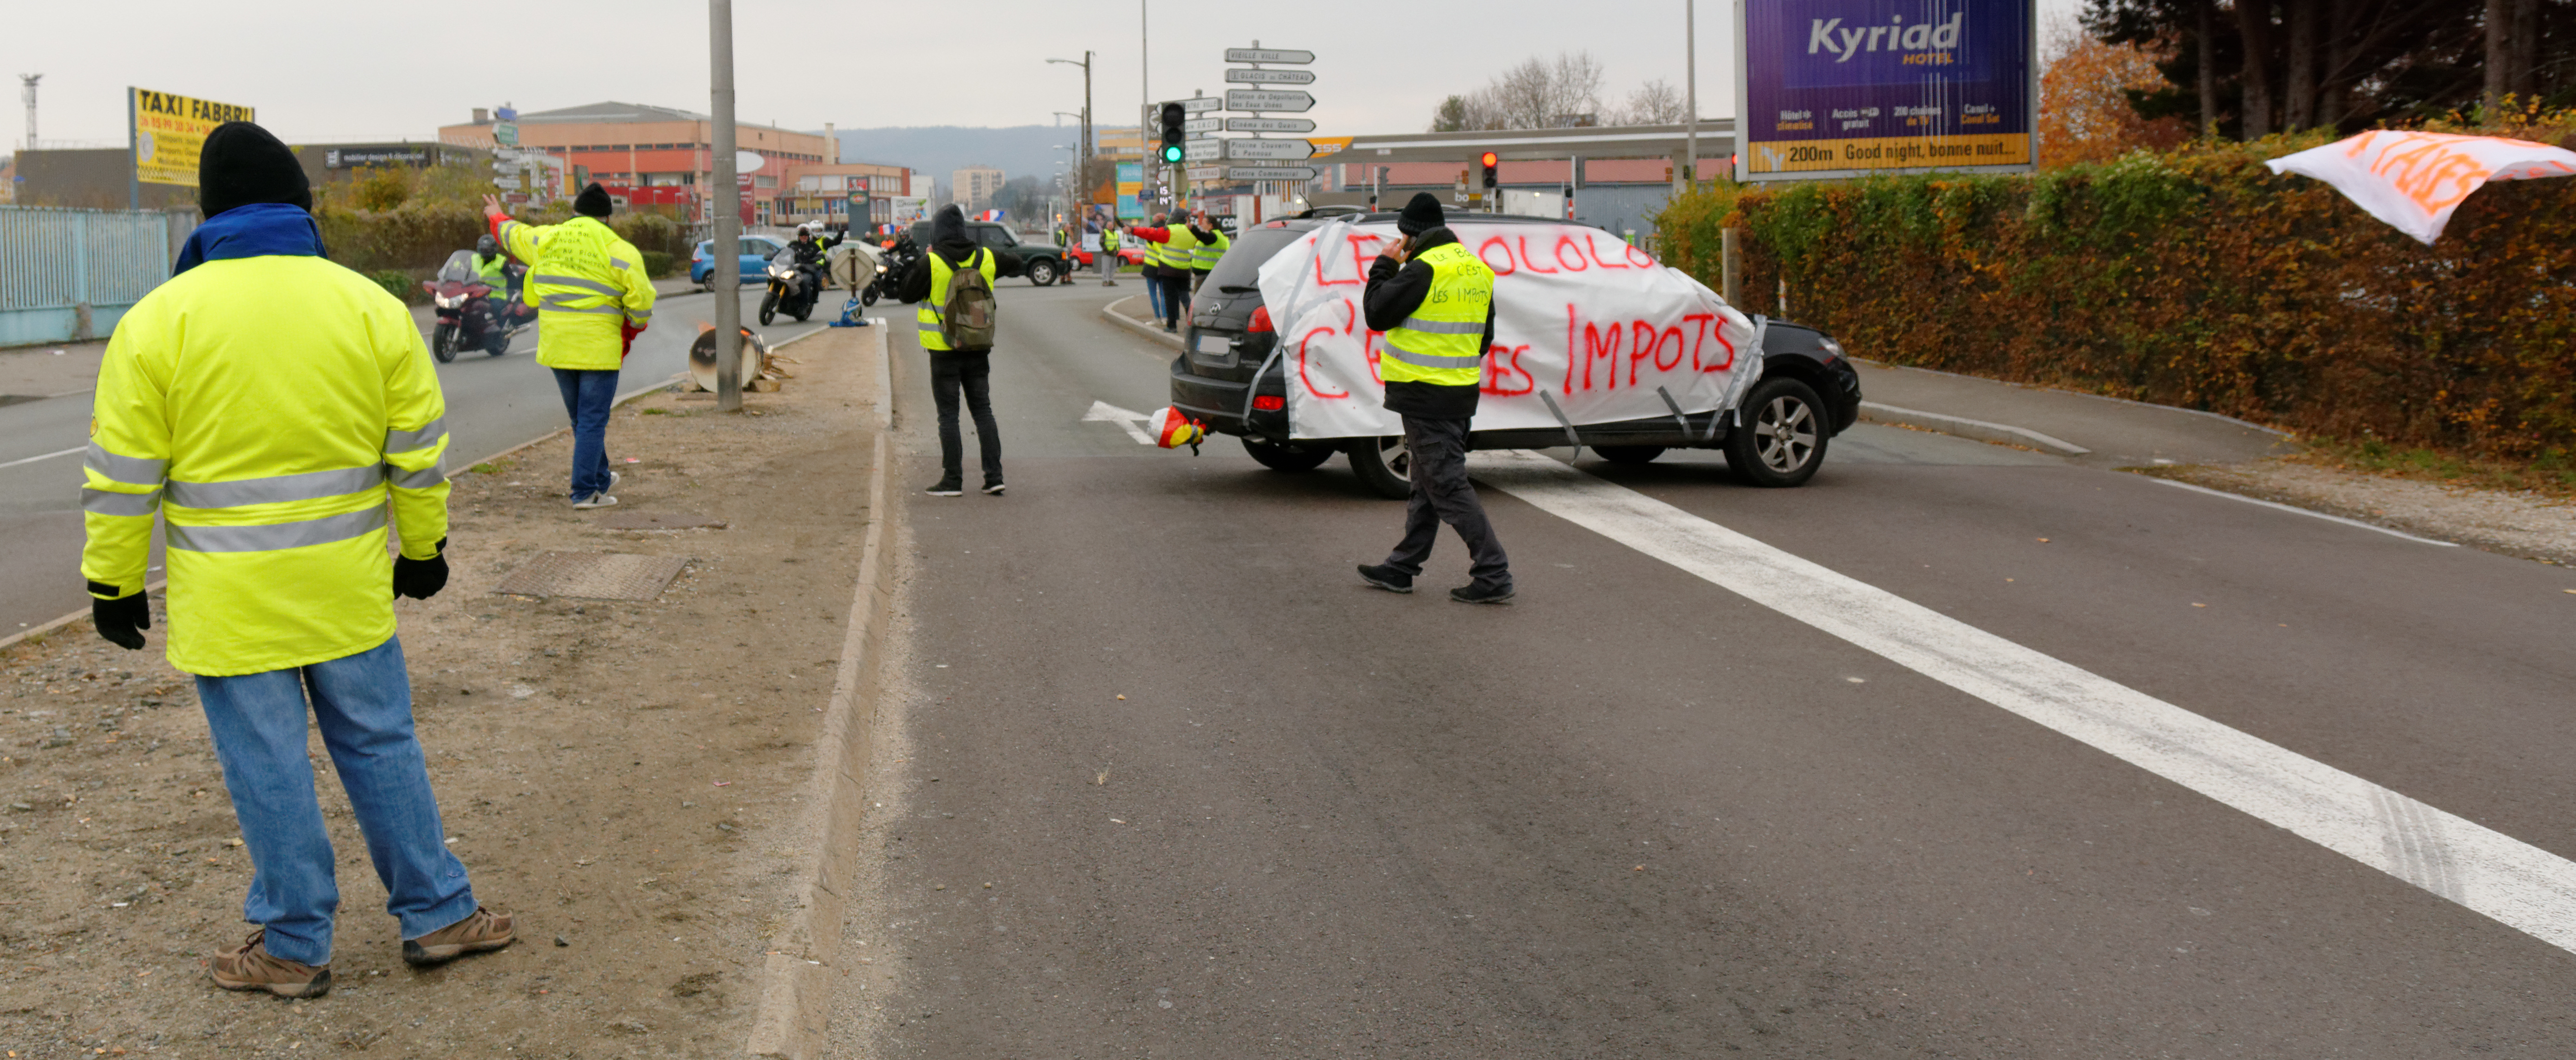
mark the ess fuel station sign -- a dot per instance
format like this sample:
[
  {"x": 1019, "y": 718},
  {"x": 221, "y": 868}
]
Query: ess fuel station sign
[{"x": 1835, "y": 88}]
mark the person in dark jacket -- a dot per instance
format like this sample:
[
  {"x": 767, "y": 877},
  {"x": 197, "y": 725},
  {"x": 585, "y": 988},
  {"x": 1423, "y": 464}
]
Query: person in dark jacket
[
  {"x": 1433, "y": 302},
  {"x": 953, "y": 371}
]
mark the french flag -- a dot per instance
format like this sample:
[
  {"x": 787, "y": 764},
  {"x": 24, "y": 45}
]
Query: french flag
[{"x": 989, "y": 215}]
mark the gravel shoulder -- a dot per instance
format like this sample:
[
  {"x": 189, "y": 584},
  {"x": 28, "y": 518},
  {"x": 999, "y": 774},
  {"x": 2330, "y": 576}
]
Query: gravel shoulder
[
  {"x": 621, "y": 776},
  {"x": 2522, "y": 525}
]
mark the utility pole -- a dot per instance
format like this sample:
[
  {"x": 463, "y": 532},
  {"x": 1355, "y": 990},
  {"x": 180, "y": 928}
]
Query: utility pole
[
  {"x": 1082, "y": 164},
  {"x": 726, "y": 248},
  {"x": 1144, "y": 94},
  {"x": 1690, "y": 59},
  {"x": 28, "y": 93}
]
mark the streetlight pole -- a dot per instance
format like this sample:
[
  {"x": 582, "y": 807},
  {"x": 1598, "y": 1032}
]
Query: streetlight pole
[
  {"x": 726, "y": 248},
  {"x": 1690, "y": 54},
  {"x": 1082, "y": 167}
]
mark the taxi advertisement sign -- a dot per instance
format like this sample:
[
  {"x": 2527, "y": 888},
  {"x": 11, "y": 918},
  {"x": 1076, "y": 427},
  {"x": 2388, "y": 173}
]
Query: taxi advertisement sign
[{"x": 169, "y": 130}]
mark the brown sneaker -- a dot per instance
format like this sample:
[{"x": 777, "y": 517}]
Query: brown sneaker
[
  {"x": 249, "y": 967},
  {"x": 482, "y": 931}
]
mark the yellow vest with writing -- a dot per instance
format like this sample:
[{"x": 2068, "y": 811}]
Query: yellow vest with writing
[{"x": 1442, "y": 342}]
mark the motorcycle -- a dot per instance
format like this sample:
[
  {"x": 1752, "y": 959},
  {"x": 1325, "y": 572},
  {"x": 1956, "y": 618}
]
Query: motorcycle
[
  {"x": 793, "y": 288},
  {"x": 471, "y": 315},
  {"x": 892, "y": 264}
]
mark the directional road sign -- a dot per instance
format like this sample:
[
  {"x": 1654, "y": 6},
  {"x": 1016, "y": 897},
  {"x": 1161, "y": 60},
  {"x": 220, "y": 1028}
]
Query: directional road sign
[
  {"x": 1207, "y": 173},
  {"x": 1197, "y": 104},
  {"x": 1269, "y": 172},
  {"x": 1267, "y": 150},
  {"x": 1270, "y": 77},
  {"x": 1256, "y": 99},
  {"x": 1268, "y": 55},
  {"x": 1270, "y": 125},
  {"x": 1208, "y": 150},
  {"x": 1205, "y": 125}
]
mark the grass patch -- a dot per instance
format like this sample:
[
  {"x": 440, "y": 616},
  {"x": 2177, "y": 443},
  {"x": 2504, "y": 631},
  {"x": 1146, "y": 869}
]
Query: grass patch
[
  {"x": 2552, "y": 473},
  {"x": 657, "y": 412},
  {"x": 485, "y": 469}
]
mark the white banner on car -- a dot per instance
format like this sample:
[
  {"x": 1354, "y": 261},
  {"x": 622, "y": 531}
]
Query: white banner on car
[{"x": 1581, "y": 319}]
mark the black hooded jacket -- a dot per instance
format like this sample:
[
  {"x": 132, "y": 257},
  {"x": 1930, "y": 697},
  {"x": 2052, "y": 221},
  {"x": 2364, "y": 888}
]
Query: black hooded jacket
[
  {"x": 949, "y": 240},
  {"x": 1394, "y": 292}
]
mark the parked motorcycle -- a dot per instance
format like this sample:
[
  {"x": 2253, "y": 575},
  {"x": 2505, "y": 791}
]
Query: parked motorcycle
[
  {"x": 793, "y": 288},
  {"x": 471, "y": 314}
]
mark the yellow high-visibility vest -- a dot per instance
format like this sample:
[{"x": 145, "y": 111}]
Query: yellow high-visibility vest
[
  {"x": 586, "y": 283},
  {"x": 1177, "y": 246},
  {"x": 925, "y": 317},
  {"x": 1442, "y": 341},
  {"x": 268, "y": 442},
  {"x": 1209, "y": 250}
]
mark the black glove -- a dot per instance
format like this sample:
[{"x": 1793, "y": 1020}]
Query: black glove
[
  {"x": 421, "y": 579},
  {"x": 120, "y": 620}
]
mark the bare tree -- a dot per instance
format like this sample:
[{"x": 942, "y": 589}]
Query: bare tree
[
  {"x": 1656, "y": 102},
  {"x": 1535, "y": 94}
]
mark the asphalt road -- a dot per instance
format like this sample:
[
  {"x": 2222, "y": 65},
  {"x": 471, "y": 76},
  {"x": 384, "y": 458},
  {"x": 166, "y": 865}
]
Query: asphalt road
[
  {"x": 1637, "y": 814},
  {"x": 493, "y": 403}
]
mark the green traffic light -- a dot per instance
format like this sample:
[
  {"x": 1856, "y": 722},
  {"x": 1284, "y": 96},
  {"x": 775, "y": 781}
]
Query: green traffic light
[{"x": 1171, "y": 154}]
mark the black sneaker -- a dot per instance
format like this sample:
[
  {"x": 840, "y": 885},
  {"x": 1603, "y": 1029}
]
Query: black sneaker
[
  {"x": 994, "y": 487},
  {"x": 947, "y": 487},
  {"x": 1482, "y": 594},
  {"x": 1387, "y": 578}
]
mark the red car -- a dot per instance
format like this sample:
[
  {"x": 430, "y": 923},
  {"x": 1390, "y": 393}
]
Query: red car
[{"x": 1128, "y": 254}]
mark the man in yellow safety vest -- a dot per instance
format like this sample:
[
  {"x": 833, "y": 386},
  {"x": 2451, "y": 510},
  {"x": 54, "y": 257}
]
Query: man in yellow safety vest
[
  {"x": 1434, "y": 301},
  {"x": 592, "y": 297},
  {"x": 965, "y": 366},
  {"x": 270, "y": 444},
  {"x": 1168, "y": 251},
  {"x": 1211, "y": 247},
  {"x": 1109, "y": 261}
]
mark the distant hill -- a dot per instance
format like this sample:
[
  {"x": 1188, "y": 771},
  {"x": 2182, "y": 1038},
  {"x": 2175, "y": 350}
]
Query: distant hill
[{"x": 1020, "y": 150}]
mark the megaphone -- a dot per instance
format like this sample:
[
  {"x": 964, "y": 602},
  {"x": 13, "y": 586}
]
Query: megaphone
[{"x": 1173, "y": 429}]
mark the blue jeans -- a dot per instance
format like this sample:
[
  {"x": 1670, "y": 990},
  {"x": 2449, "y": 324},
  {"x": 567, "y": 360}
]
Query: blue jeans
[
  {"x": 587, "y": 396},
  {"x": 1154, "y": 293},
  {"x": 362, "y": 703}
]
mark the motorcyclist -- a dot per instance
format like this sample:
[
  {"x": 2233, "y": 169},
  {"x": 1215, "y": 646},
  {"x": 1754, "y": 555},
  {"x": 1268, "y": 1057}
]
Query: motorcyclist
[
  {"x": 493, "y": 267},
  {"x": 810, "y": 249}
]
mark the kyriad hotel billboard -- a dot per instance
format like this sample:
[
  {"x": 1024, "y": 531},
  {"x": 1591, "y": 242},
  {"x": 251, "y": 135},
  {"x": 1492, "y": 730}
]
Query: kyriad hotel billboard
[{"x": 1836, "y": 88}]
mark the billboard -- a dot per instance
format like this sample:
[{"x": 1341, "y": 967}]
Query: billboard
[
  {"x": 1837, "y": 88},
  {"x": 168, "y": 131}
]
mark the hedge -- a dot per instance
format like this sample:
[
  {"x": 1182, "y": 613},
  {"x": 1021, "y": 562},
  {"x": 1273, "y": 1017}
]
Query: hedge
[
  {"x": 2193, "y": 278},
  {"x": 414, "y": 239}
]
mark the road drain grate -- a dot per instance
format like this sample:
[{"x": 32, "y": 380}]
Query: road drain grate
[{"x": 594, "y": 575}]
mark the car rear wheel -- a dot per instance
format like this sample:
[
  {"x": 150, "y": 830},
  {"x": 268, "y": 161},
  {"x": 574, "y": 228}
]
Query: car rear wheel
[
  {"x": 1780, "y": 439},
  {"x": 1629, "y": 454},
  {"x": 1287, "y": 457},
  {"x": 1384, "y": 465},
  {"x": 1041, "y": 273}
]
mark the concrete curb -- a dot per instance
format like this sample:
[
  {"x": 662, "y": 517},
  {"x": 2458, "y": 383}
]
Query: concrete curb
[
  {"x": 1151, "y": 331},
  {"x": 1967, "y": 428},
  {"x": 2221, "y": 417},
  {"x": 797, "y": 981}
]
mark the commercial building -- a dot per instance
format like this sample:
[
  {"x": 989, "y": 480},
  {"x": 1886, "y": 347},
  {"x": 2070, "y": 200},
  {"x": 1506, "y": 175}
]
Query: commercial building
[
  {"x": 974, "y": 187},
  {"x": 652, "y": 156},
  {"x": 826, "y": 191}
]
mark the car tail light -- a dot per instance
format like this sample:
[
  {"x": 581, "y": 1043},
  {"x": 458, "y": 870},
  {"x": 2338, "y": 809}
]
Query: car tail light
[
  {"x": 1268, "y": 403},
  {"x": 1260, "y": 319}
]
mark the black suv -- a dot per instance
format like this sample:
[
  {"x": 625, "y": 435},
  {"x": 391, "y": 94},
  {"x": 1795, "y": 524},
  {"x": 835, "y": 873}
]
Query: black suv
[
  {"x": 1807, "y": 394},
  {"x": 1042, "y": 263}
]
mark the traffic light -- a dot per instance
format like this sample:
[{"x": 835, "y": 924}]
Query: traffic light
[
  {"x": 1173, "y": 119},
  {"x": 1489, "y": 161}
]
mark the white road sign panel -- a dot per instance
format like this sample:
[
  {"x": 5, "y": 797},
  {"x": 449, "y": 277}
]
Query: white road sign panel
[
  {"x": 1207, "y": 173},
  {"x": 1203, "y": 125},
  {"x": 1282, "y": 150},
  {"x": 1293, "y": 102},
  {"x": 1204, "y": 150},
  {"x": 1268, "y": 55},
  {"x": 1196, "y": 104},
  {"x": 1270, "y": 77},
  {"x": 1269, "y": 172},
  {"x": 1270, "y": 125}
]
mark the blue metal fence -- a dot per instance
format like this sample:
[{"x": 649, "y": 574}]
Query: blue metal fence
[{"x": 69, "y": 275}]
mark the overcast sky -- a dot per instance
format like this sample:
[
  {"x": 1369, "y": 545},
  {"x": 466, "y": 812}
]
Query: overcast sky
[{"x": 322, "y": 72}]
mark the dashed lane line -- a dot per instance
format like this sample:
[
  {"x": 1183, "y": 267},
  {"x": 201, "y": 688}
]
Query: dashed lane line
[{"x": 2517, "y": 884}]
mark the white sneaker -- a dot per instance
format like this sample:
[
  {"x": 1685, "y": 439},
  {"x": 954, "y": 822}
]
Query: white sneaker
[
  {"x": 596, "y": 500},
  {"x": 612, "y": 479}
]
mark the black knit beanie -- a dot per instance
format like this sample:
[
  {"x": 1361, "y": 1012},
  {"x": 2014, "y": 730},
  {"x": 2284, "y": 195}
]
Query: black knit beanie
[
  {"x": 1421, "y": 215},
  {"x": 593, "y": 202},
  {"x": 243, "y": 164}
]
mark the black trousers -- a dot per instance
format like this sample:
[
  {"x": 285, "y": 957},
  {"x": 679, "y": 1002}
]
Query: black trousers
[
  {"x": 1176, "y": 297},
  {"x": 1442, "y": 494},
  {"x": 973, "y": 374}
]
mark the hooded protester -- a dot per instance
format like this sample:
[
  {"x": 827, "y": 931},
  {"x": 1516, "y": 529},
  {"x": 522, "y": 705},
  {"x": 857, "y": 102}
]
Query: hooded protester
[
  {"x": 273, "y": 446},
  {"x": 1434, "y": 301},
  {"x": 965, "y": 369},
  {"x": 580, "y": 274},
  {"x": 1168, "y": 257}
]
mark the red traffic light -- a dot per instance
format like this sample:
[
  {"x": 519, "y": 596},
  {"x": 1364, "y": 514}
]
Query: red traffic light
[{"x": 1489, "y": 160}]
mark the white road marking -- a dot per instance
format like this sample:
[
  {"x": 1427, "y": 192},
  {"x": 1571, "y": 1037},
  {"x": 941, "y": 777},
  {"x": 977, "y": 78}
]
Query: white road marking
[
  {"x": 2302, "y": 511},
  {"x": 1104, "y": 412},
  {"x": 47, "y": 456},
  {"x": 2520, "y": 885}
]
